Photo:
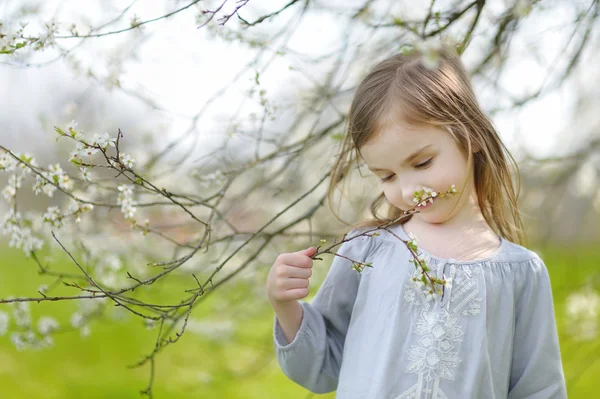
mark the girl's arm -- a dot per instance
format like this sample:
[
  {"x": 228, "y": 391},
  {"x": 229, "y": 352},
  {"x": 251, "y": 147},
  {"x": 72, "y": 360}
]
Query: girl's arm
[
  {"x": 314, "y": 357},
  {"x": 536, "y": 371}
]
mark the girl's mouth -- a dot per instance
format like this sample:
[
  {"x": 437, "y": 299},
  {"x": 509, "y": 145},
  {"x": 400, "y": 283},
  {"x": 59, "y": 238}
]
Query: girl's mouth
[{"x": 425, "y": 204}]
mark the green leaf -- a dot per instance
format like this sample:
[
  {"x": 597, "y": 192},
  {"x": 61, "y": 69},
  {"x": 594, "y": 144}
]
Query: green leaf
[
  {"x": 398, "y": 21},
  {"x": 337, "y": 136}
]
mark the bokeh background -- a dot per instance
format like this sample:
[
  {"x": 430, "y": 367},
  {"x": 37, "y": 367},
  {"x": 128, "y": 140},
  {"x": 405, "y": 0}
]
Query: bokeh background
[{"x": 237, "y": 108}]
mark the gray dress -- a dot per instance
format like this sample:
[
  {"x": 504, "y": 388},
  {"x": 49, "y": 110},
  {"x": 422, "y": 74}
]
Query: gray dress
[{"x": 378, "y": 335}]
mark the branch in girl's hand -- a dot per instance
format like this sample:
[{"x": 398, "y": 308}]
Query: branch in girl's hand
[{"x": 420, "y": 198}]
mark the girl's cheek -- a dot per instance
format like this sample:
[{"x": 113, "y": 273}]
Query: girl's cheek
[{"x": 393, "y": 198}]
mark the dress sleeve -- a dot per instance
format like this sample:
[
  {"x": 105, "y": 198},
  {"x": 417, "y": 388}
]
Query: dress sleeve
[
  {"x": 313, "y": 359},
  {"x": 536, "y": 370}
]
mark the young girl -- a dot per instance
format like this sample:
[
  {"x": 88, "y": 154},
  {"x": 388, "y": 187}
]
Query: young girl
[{"x": 383, "y": 331}]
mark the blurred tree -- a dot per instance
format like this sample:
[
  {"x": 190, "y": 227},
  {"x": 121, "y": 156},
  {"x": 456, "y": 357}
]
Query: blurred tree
[{"x": 246, "y": 114}]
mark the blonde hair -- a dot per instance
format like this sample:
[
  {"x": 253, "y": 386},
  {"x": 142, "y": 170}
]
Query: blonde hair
[{"x": 402, "y": 87}]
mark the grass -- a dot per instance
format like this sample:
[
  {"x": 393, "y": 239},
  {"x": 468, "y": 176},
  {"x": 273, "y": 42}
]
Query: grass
[{"x": 240, "y": 366}]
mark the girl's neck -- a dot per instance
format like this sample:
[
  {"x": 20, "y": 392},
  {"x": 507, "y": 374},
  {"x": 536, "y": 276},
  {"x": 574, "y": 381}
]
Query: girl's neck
[{"x": 463, "y": 239}]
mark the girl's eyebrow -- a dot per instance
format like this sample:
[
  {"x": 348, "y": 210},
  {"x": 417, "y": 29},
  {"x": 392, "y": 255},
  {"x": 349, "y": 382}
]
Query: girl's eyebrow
[{"x": 407, "y": 160}]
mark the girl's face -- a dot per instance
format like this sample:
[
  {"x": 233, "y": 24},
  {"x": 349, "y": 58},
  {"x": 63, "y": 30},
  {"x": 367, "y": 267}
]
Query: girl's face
[{"x": 395, "y": 158}]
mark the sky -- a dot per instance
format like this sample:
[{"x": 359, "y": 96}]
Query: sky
[{"x": 180, "y": 68}]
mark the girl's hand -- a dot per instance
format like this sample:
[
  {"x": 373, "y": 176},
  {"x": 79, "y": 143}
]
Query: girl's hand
[{"x": 288, "y": 278}]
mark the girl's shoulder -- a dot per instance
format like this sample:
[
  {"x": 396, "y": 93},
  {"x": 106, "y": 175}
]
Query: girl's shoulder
[{"x": 507, "y": 253}]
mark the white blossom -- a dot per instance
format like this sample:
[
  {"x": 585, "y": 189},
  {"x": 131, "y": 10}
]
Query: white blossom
[
  {"x": 127, "y": 160},
  {"x": 85, "y": 331},
  {"x": 48, "y": 189},
  {"x": 47, "y": 324},
  {"x": 48, "y": 38},
  {"x": 21, "y": 314},
  {"x": 430, "y": 50},
  {"x": 77, "y": 319},
  {"x": 125, "y": 199},
  {"x": 26, "y": 170},
  {"x": 7, "y": 162},
  {"x": 582, "y": 312},
  {"x": 208, "y": 179},
  {"x": 21, "y": 237},
  {"x": 215, "y": 330},
  {"x": 4, "y": 322},
  {"x": 413, "y": 238},
  {"x": 58, "y": 176},
  {"x": 14, "y": 183},
  {"x": 18, "y": 341},
  {"x": 522, "y": 8},
  {"x": 85, "y": 174},
  {"x": 71, "y": 125},
  {"x": 431, "y": 296},
  {"x": 103, "y": 140},
  {"x": 150, "y": 324},
  {"x": 82, "y": 150},
  {"x": 53, "y": 217},
  {"x": 86, "y": 207}
]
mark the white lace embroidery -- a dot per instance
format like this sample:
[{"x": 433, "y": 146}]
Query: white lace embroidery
[{"x": 440, "y": 329}]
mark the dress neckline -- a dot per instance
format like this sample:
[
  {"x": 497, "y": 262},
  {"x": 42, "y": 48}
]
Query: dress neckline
[{"x": 503, "y": 243}]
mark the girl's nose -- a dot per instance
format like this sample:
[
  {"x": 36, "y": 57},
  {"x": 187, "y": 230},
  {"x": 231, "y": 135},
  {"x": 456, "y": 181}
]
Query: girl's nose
[{"x": 408, "y": 194}]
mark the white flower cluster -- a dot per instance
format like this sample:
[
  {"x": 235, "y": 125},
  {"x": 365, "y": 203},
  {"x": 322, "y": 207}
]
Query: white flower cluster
[
  {"x": 77, "y": 208},
  {"x": 81, "y": 318},
  {"x": 7, "y": 162},
  {"x": 47, "y": 325},
  {"x": 21, "y": 237},
  {"x": 4, "y": 322},
  {"x": 431, "y": 52},
  {"x": 213, "y": 330},
  {"x": 9, "y": 41},
  {"x": 429, "y": 193},
  {"x": 522, "y": 8},
  {"x": 209, "y": 179},
  {"x": 10, "y": 191},
  {"x": 56, "y": 175},
  {"x": 107, "y": 272},
  {"x": 583, "y": 308},
  {"x": 85, "y": 174},
  {"x": 27, "y": 338},
  {"x": 126, "y": 200},
  {"x": 127, "y": 160},
  {"x": 48, "y": 38},
  {"x": 417, "y": 279},
  {"x": 21, "y": 314},
  {"x": 84, "y": 149},
  {"x": 104, "y": 140},
  {"x": 413, "y": 238},
  {"x": 53, "y": 217}
]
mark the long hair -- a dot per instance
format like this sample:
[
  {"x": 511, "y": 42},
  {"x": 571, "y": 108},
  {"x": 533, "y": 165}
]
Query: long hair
[{"x": 401, "y": 86}]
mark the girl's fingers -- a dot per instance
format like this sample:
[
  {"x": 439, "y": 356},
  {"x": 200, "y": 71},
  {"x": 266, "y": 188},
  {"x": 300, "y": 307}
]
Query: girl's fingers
[
  {"x": 294, "y": 294},
  {"x": 292, "y": 283},
  {"x": 297, "y": 259},
  {"x": 294, "y": 272}
]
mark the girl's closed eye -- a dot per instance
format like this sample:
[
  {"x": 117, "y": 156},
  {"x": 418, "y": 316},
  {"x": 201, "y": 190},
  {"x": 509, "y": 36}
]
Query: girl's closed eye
[{"x": 423, "y": 165}]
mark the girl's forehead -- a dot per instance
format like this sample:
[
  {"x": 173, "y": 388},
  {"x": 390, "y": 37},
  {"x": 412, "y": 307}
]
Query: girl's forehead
[{"x": 401, "y": 134}]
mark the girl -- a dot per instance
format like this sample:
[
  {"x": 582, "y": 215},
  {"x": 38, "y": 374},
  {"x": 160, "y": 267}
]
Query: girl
[{"x": 386, "y": 331}]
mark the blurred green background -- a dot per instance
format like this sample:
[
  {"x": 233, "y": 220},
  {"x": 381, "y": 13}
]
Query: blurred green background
[
  {"x": 237, "y": 365},
  {"x": 266, "y": 106}
]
